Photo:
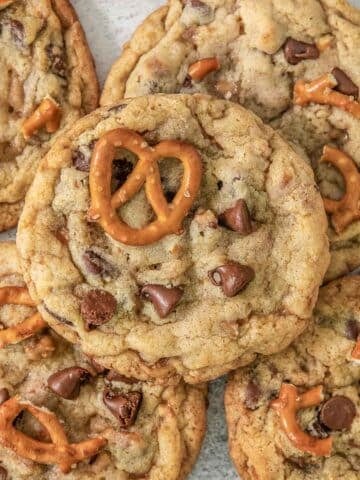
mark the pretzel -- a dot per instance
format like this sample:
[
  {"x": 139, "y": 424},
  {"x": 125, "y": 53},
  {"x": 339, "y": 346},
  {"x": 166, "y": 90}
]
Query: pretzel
[
  {"x": 58, "y": 452},
  {"x": 169, "y": 216},
  {"x": 347, "y": 210},
  {"x": 5, "y": 3},
  {"x": 48, "y": 115},
  {"x": 25, "y": 329},
  {"x": 287, "y": 405},
  {"x": 322, "y": 91},
  {"x": 355, "y": 354},
  {"x": 201, "y": 68}
]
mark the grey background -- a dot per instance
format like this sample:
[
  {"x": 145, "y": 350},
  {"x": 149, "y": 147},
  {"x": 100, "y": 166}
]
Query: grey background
[{"x": 108, "y": 25}]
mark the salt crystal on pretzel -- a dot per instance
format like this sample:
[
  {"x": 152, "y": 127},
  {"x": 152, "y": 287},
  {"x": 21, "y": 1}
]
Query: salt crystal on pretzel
[
  {"x": 27, "y": 328},
  {"x": 287, "y": 406},
  {"x": 169, "y": 216},
  {"x": 59, "y": 452}
]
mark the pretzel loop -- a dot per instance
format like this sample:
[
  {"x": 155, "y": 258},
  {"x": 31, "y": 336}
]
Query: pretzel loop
[
  {"x": 59, "y": 452},
  {"x": 25, "y": 329},
  {"x": 321, "y": 90},
  {"x": 287, "y": 406},
  {"x": 48, "y": 115},
  {"x": 347, "y": 210},
  {"x": 146, "y": 172}
]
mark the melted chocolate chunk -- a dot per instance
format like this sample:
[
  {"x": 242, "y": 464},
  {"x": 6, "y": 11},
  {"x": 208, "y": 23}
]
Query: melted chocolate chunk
[
  {"x": 352, "y": 330},
  {"x": 296, "y": 51},
  {"x": 124, "y": 407},
  {"x": 188, "y": 82},
  {"x": 56, "y": 60},
  {"x": 66, "y": 383},
  {"x": 17, "y": 31},
  {"x": 232, "y": 277},
  {"x": 252, "y": 395},
  {"x": 4, "y": 395},
  {"x": 338, "y": 413},
  {"x": 344, "y": 83},
  {"x": 164, "y": 299},
  {"x": 96, "y": 264},
  {"x": 80, "y": 162},
  {"x": 237, "y": 218},
  {"x": 97, "y": 307}
]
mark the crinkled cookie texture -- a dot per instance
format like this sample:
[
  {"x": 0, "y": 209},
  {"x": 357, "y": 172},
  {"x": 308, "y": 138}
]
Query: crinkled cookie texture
[
  {"x": 150, "y": 432},
  {"x": 88, "y": 285},
  {"x": 255, "y": 69},
  {"x": 258, "y": 444},
  {"x": 43, "y": 55}
]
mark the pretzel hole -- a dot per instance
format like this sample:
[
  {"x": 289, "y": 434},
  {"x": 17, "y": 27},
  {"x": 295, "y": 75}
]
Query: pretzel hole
[
  {"x": 30, "y": 426},
  {"x": 171, "y": 173},
  {"x": 330, "y": 181},
  {"x": 122, "y": 166}
]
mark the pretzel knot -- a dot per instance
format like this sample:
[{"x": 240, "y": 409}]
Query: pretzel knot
[
  {"x": 48, "y": 115},
  {"x": 287, "y": 406},
  {"x": 25, "y": 329},
  {"x": 347, "y": 210},
  {"x": 59, "y": 452},
  {"x": 169, "y": 216},
  {"x": 321, "y": 90}
]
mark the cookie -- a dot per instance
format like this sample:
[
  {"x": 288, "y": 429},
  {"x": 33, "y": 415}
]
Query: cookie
[
  {"x": 63, "y": 416},
  {"x": 48, "y": 81},
  {"x": 220, "y": 259},
  {"x": 296, "y": 415},
  {"x": 262, "y": 56}
]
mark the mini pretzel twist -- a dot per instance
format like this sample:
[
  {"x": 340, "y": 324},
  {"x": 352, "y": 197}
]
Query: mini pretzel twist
[
  {"x": 347, "y": 210},
  {"x": 287, "y": 406},
  {"x": 59, "y": 452},
  {"x": 322, "y": 91},
  {"x": 48, "y": 115},
  {"x": 25, "y": 329},
  {"x": 169, "y": 216}
]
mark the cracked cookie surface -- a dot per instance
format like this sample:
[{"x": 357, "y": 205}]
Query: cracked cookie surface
[
  {"x": 150, "y": 431},
  {"x": 242, "y": 277},
  {"x": 259, "y": 446},
  {"x": 258, "y": 68},
  {"x": 43, "y": 54}
]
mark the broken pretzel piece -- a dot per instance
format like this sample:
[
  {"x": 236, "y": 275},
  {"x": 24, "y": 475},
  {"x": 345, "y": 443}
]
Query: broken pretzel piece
[
  {"x": 347, "y": 210},
  {"x": 201, "y": 68},
  {"x": 287, "y": 406},
  {"x": 25, "y": 329},
  {"x": 48, "y": 115},
  {"x": 322, "y": 91},
  {"x": 59, "y": 452}
]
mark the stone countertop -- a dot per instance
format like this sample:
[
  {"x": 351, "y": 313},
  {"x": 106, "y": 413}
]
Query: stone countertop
[{"x": 108, "y": 25}]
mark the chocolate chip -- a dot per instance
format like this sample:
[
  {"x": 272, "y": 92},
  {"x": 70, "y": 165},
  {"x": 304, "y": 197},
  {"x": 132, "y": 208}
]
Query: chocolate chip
[
  {"x": 124, "y": 407},
  {"x": 164, "y": 299},
  {"x": 296, "y": 51},
  {"x": 17, "y": 31},
  {"x": 3, "y": 473},
  {"x": 96, "y": 264},
  {"x": 220, "y": 184},
  {"x": 252, "y": 395},
  {"x": 80, "y": 162},
  {"x": 121, "y": 169},
  {"x": 237, "y": 218},
  {"x": 4, "y": 395},
  {"x": 188, "y": 82},
  {"x": 66, "y": 383},
  {"x": 97, "y": 307},
  {"x": 338, "y": 413},
  {"x": 114, "y": 376},
  {"x": 352, "y": 330},
  {"x": 344, "y": 83},
  {"x": 57, "y": 60},
  {"x": 232, "y": 277}
]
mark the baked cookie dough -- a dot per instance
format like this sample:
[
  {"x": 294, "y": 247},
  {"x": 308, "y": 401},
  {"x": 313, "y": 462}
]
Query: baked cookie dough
[
  {"x": 111, "y": 427},
  {"x": 161, "y": 294},
  {"x": 296, "y": 415},
  {"x": 48, "y": 81},
  {"x": 254, "y": 53}
]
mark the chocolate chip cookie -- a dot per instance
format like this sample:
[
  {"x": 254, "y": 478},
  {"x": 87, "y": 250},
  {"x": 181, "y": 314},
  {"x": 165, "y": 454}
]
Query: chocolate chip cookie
[
  {"x": 266, "y": 56},
  {"x": 185, "y": 267},
  {"x": 296, "y": 415},
  {"x": 63, "y": 416},
  {"x": 48, "y": 81}
]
